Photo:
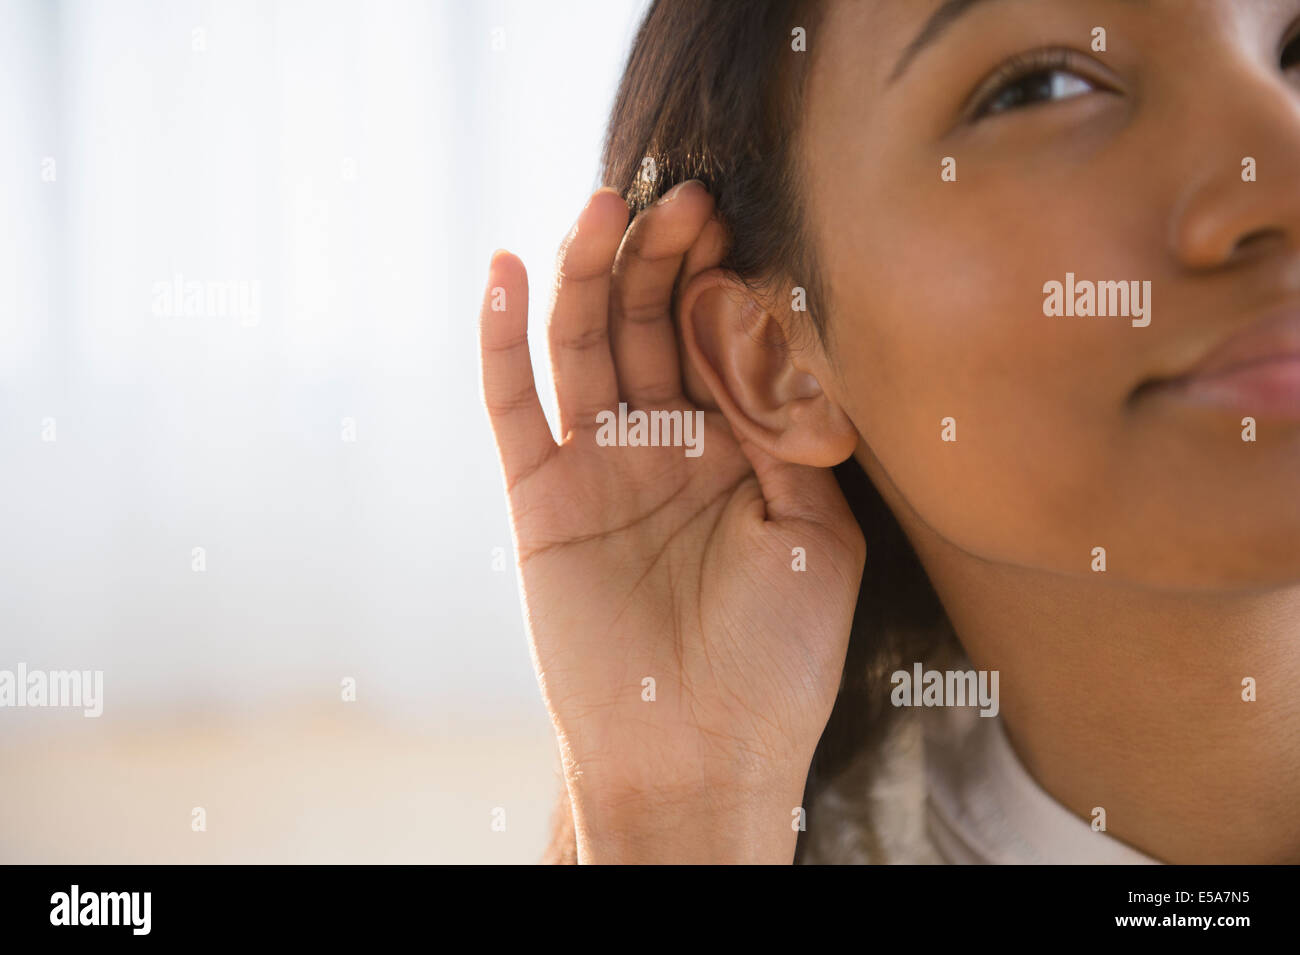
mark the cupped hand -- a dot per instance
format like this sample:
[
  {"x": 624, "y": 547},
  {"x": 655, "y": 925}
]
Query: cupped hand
[{"x": 688, "y": 665}]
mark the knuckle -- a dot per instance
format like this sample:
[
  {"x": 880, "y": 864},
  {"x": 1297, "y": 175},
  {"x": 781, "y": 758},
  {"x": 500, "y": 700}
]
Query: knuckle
[
  {"x": 501, "y": 406},
  {"x": 584, "y": 339},
  {"x": 644, "y": 312}
]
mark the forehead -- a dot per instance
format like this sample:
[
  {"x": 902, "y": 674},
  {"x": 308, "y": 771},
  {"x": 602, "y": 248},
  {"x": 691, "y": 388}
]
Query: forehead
[
  {"x": 853, "y": 54},
  {"x": 860, "y": 40}
]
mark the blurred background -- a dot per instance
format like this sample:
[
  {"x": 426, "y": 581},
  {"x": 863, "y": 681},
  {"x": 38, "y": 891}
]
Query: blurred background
[{"x": 243, "y": 457}]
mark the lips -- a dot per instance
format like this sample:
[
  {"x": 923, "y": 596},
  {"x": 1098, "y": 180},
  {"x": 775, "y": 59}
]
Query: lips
[
  {"x": 1274, "y": 339},
  {"x": 1256, "y": 371}
]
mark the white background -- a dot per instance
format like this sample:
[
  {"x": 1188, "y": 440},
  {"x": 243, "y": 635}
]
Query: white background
[{"x": 359, "y": 161}]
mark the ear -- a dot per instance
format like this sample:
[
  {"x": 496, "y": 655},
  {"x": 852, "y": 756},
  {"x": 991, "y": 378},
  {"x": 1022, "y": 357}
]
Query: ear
[{"x": 771, "y": 394}]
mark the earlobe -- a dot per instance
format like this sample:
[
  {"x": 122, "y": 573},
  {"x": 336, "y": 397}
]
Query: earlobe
[{"x": 740, "y": 353}]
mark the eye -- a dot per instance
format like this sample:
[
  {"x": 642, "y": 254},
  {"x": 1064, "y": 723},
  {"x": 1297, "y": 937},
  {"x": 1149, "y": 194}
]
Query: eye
[
  {"x": 1044, "y": 76},
  {"x": 1041, "y": 87}
]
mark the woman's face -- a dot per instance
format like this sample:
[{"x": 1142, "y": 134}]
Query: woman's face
[{"x": 1123, "y": 165}]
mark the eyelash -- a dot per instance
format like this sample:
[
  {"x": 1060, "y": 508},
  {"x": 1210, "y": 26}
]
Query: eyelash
[
  {"x": 1036, "y": 63},
  {"x": 1017, "y": 70},
  {"x": 1291, "y": 51}
]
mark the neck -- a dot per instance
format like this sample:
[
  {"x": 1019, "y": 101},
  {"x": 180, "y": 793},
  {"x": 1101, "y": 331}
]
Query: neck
[{"x": 1131, "y": 700}]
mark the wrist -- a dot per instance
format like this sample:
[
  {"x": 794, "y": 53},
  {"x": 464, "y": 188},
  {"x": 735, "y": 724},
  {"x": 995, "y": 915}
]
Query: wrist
[{"x": 727, "y": 824}]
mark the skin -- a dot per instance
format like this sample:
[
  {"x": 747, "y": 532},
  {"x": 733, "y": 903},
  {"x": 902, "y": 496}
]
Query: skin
[{"x": 1119, "y": 689}]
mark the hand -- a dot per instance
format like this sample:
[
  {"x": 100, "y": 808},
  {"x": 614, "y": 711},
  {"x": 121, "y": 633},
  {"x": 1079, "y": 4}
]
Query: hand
[{"x": 644, "y": 562}]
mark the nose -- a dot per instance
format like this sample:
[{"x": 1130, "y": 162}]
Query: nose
[{"x": 1243, "y": 193}]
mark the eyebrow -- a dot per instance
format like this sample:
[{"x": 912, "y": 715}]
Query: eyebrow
[{"x": 948, "y": 13}]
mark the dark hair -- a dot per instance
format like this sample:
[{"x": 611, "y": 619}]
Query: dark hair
[{"x": 713, "y": 90}]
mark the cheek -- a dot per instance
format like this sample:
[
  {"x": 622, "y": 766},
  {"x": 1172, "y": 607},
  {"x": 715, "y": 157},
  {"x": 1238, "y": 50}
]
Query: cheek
[
  {"x": 991, "y": 419},
  {"x": 940, "y": 332}
]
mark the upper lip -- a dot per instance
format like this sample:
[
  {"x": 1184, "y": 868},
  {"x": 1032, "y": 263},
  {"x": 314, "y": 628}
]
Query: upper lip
[{"x": 1274, "y": 337}]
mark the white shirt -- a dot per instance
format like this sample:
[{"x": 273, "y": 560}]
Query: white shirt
[
  {"x": 982, "y": 806},
  {"x": 945, "y": 787}
]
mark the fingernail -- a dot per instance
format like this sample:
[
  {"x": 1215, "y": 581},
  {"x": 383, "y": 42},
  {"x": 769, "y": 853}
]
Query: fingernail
[
  {"x": 590, "y": 199},
  {"x": 672, "y": 193}
]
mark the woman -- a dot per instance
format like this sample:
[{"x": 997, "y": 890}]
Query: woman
[{"x": 992, "y": 310}]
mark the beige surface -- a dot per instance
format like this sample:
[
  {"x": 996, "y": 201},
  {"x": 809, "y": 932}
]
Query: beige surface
[{"x": 322, "y": 786}]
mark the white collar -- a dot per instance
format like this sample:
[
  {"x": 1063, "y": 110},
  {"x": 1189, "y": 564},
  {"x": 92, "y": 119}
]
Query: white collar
[{"x": 982, "y": 805}]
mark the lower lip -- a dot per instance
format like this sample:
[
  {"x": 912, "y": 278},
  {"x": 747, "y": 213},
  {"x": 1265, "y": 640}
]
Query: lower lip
[{"x": 1261, "y": 388}]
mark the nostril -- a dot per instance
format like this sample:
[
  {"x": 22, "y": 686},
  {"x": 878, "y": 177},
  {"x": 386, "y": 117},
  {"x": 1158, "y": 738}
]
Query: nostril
[{"x": 1260, "y": 238}]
